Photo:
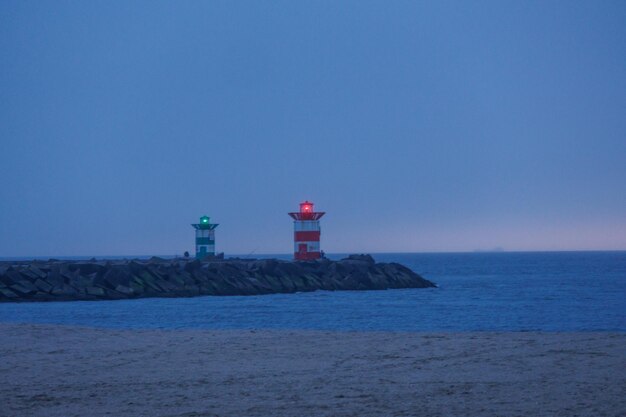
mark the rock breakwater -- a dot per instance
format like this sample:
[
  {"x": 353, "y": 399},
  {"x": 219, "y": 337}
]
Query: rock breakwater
[{"x": 55, "y": 280}]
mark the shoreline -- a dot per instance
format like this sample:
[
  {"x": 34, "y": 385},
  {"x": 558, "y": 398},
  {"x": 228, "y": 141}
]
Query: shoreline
[{"x": 58, "y": 370}]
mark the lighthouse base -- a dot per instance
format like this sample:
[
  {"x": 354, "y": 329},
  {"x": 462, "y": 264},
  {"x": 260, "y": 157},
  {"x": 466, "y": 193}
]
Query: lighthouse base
[{"x": 307, "y": 256}]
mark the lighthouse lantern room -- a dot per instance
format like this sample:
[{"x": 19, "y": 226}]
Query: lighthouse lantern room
[
  {"x": 306, "y": 232},
  {"x": 205, "y": 237}
]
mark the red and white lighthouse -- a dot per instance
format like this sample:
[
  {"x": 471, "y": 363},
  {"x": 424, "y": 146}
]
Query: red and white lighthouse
[{"x": 306, "y": 232}]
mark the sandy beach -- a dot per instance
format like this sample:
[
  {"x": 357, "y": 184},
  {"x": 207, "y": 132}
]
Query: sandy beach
[{"x": 49, "y": 370}]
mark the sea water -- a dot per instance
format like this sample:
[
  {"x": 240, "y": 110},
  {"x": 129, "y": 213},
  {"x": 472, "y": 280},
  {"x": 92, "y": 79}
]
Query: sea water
[{"x": 548, "y": 291}]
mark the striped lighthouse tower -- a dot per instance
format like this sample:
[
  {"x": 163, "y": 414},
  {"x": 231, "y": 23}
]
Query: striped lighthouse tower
[
  {"x": 306, "y": 236},
  {"x": 205, "y": 237}
]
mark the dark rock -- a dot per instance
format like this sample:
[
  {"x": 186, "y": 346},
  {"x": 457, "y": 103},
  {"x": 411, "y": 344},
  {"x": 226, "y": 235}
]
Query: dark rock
[
  {"x": 54, "y": 277},
  {"x": 37, "y": 271},
  {"x": 96, "y": 291},
  {"x": 361, "y": 258},
  {"x": 43, "y": 285},
  {"x": 67, "y": 273},
  {"x": 89, "y": 268},
  {"x": 137, "y": 287},
  {"x": 10, "y": 277},
  {"x": 7, "y": 294},
  {"x": 115, "y": 276},
  {"x": 70, "y": 280},
  {"x": 28, "y": 273},
  {"x": 122, "y": 289},
  {"x": 65, "y": 291},
  {"x": 165, "y": 285},
  {"x": 23, "y": 288},
  {"x": 42, "y": 296}
]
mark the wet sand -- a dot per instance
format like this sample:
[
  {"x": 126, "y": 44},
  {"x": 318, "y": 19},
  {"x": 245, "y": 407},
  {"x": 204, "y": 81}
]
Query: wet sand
[{"x": 48, "y": 370}]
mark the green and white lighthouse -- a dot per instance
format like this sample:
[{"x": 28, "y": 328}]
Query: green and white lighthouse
[{"x": 205, "y": 237}]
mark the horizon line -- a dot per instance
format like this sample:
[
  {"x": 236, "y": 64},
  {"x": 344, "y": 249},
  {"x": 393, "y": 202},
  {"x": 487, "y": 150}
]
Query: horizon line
[{"x": 248, "y": 255}]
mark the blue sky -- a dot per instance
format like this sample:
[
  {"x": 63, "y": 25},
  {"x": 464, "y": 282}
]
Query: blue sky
[{"x": 417, "y": 126}]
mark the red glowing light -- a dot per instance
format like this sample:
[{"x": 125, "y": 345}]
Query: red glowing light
[
  {"x": 306, "y": 207},
  {"x": 306, "y": 212}
]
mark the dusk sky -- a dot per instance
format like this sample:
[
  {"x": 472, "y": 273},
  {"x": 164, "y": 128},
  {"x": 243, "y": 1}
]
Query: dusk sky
[{"x": 417, "y": 126}]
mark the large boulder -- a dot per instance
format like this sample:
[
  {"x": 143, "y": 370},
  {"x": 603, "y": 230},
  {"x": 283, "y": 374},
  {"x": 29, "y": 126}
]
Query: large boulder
[{"x": 360, "y": 258}]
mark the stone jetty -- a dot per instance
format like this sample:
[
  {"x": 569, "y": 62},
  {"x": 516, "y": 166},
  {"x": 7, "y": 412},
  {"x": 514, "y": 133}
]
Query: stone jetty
[{"x": 55, "y": 280}]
